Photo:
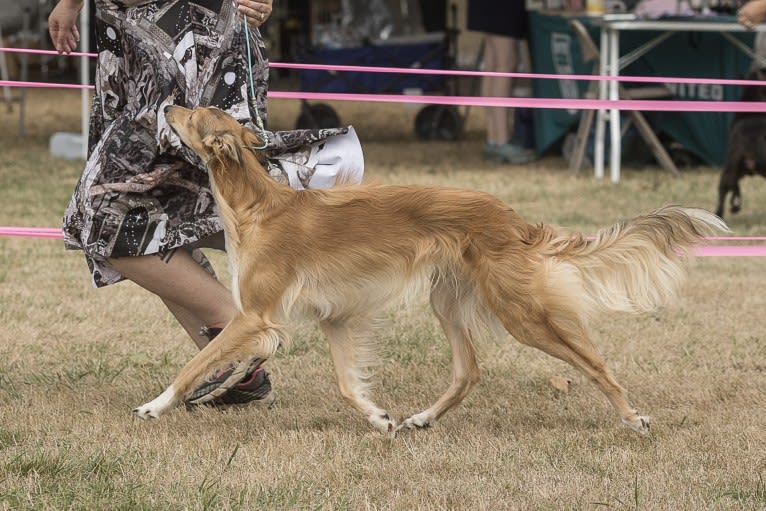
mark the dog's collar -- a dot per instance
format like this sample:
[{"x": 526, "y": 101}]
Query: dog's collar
[{"x": 256, "y": 148}]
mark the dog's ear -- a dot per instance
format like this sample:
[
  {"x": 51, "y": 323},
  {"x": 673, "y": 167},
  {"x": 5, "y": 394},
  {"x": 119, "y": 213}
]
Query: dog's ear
[
  {"x": 251, "y": 139},
  {"x": 224, "y": 146}
]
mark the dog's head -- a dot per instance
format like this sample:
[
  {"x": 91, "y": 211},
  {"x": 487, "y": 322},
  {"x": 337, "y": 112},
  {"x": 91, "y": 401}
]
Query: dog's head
[{"x": 211, "y": 133}]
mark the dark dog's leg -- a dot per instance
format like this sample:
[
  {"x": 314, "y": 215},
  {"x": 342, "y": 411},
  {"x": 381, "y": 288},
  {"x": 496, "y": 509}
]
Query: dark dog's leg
[
  {"x": 736, "y": 199},
  {"x": 726, "y": 184}
]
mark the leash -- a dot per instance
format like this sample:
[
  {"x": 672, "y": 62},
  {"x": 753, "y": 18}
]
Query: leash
[{"x": 253, "y": 101}]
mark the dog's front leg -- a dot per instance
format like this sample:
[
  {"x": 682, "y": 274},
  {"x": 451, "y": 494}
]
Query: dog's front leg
[
  {"x": 159, "y": 405},
  {"x": 352, "y": 350},
  {"x": 244, "y": 340}
]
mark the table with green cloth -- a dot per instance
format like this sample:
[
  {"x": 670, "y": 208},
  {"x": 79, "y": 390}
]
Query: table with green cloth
[{"x": 554, "y": 48}]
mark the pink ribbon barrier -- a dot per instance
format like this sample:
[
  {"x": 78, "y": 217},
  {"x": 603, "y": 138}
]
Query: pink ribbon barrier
[
  {"x": 32, "y": 232},
  {"x": 452, "y": 72},
  {"x": 34, "y": 51},
  {"x": 702, "y": 251},
  {"x": 730, "y": 251},
  {"x": 554, "y": 103},
  {"x": 542, "y": 76},
  {"x": 42, "y": 85}
]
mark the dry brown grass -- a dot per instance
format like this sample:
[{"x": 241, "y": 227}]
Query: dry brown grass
[{"x": 74, "y": 361}]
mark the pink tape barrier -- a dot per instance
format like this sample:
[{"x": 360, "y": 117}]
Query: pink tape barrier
[
  {"x": 43, "y": 85},
  {"x": 454, "y": 72},
  {"x": 553, "y": 103},
  {"x": 32, "y": 232},
  {"x": 556, "y": 103},
  {"x": 702, "y": 251},
  {"x": 543, "y": 76},
  {"x": 648, "y": 105},
  {"x": 730, "y": 251}
]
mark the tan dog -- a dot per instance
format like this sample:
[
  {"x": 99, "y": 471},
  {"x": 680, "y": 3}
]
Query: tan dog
[{"x": 341, "y": 255}]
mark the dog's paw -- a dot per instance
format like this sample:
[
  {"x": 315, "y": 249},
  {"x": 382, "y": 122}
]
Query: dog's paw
[
  {"x": 159, "y": 405},
  {"x": 736, "y": 205},
  {"x": 417, "y": 421},
  {"x": 640, "y": 424},
  {"x": 383, "y": 423},
  {"x": 146, "y": 412}
]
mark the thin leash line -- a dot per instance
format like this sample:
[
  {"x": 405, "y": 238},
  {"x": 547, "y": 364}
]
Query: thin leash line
[{"x": 253, "y": 98}]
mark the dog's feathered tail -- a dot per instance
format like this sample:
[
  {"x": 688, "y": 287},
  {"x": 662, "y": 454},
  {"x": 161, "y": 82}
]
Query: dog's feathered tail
[{"x": 633, "y": 266}]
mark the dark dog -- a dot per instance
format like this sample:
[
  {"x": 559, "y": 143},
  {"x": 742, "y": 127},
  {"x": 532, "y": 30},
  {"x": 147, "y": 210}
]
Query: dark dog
[{"x": 746, "y": 152}]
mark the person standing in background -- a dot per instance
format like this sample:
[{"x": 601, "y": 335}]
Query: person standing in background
[{"x": 504, "y": 25}]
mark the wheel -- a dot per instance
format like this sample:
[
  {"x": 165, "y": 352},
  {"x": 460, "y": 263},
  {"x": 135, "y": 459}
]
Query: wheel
[
  {"x": 317, "y": 116},
  {"x": 438, "y": 122}
]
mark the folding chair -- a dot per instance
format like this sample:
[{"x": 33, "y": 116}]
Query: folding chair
[{"x": 590, "y": 53}]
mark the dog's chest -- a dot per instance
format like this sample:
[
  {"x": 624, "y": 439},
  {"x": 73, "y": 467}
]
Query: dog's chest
[{"x": 233, "y": 256}]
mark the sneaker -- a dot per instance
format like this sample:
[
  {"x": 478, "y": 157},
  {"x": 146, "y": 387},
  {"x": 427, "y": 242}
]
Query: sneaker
[
  {"x": 253, "y": 390},
  {"x": 508, "y": 153},
  {"x": 524, "y": 156}
]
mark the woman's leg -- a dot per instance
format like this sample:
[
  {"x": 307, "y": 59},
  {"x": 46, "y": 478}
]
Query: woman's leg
[
  {"x": 195, "y": 297},
  {"x": 197, "y": 300},
  {"x": 500, "y": 55},
  {"x": 190, "y": 323}
]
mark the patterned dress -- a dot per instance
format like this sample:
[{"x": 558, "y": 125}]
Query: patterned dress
[{"x": 142, "y": 192}]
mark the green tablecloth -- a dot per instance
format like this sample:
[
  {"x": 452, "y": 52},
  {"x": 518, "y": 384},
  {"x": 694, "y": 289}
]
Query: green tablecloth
[{"x": 554, "y": 49}]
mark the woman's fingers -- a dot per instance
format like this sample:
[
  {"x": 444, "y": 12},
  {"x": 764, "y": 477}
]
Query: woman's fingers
[
  {"x": 257, "y": 11},
  {"x": 65, "y": 41},
  {"x": 62, "y": 25}
]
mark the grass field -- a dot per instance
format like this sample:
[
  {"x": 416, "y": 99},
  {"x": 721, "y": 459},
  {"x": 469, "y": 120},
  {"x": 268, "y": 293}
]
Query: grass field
[{"x": 74, "y": 361}]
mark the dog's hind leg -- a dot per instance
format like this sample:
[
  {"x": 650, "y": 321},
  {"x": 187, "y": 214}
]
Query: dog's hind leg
[
  {"x": 453, "y": 306},
  {"x": 564, "y": 337},
  {"x": 351, "y": 347},
  {"x": 246, "y": 339}
]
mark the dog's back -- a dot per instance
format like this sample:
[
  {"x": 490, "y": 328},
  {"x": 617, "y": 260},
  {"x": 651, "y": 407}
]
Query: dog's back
[{"x": 361, "y": 246}]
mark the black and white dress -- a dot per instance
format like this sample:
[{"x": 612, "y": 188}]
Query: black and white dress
[{"x": 142, "y": 192}]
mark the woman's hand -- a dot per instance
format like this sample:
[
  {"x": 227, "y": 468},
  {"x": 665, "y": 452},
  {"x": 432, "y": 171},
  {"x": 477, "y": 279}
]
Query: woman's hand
[
  {"x": 257, "y": 11},
  {"x": 62, "y": 25},
  {"x": 752, "y": 13}
]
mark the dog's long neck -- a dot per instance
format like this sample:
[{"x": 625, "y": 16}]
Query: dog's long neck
[{"x": 246, "y": 195}]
